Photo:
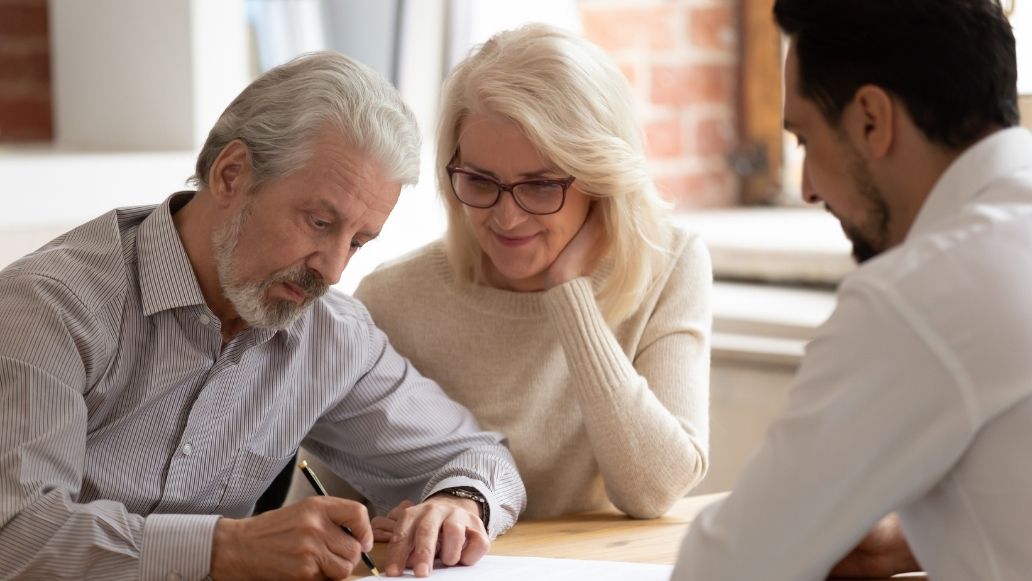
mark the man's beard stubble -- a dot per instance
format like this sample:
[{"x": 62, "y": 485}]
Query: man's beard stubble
[
  {"x": 250, "y": 299},
  {"x": 873, "y": 239}
]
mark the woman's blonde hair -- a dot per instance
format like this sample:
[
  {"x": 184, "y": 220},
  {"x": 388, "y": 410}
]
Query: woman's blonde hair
[{"x": 576, "y": 107}]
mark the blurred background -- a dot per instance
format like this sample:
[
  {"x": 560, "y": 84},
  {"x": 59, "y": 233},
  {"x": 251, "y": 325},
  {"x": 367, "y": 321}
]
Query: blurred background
[{"x": 105, "y": 103}]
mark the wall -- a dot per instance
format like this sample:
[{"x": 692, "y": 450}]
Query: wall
[
  {"x": 25, "y": 103},
  {"x": 681, "y": 57}
]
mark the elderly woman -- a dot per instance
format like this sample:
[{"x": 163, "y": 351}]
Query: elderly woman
[{"x": 562, "y": 307}]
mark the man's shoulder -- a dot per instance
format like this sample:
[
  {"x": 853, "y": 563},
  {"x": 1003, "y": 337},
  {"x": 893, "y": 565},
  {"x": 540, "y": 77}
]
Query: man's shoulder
[
  {"x": 340, "y": 306},
  {"x": 90, "y": 260},
  {"x": 965, "y": 277},
  {"x": 989, "y": 239},
  {"x": 339, "y": 311}
]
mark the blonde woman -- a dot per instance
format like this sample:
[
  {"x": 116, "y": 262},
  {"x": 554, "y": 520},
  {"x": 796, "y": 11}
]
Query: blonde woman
[{"x": 561, "y": 307}]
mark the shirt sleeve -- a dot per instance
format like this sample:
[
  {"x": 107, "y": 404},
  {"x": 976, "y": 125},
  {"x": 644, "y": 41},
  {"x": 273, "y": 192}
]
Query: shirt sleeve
[
  {"x": 52, "y": 347},
  {"x": 659, "y": 396},
  {"x": 874, "y": 421},
  {"x": 398, "y": 436}
]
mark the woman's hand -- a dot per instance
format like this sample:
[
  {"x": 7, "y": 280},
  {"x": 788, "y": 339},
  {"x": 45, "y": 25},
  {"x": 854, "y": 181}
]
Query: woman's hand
[{"x": 582, "y": 253}]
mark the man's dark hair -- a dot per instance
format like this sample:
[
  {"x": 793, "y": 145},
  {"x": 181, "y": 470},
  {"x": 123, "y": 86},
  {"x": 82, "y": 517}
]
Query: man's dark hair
[{"x": 951, "y": 62}]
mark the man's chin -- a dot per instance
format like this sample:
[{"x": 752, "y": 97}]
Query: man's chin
[
  {"x": 862, "y": 249},
  {"x": 281, "y": 314}
]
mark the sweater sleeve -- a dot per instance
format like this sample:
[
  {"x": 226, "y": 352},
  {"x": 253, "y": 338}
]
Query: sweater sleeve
[{"x": 646, "y": 417}]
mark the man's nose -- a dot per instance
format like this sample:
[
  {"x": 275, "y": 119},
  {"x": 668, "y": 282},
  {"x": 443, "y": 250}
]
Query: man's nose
[
  {"x": 809, "y": 192},
  {"x": 329, "y": 262}
]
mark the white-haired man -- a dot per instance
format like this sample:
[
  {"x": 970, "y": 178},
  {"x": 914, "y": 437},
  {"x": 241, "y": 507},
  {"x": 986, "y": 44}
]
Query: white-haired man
[{"x": 160, "y": 365}]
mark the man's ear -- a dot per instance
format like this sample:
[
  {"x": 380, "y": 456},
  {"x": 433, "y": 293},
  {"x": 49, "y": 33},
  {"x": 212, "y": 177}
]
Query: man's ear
[
  {"x": 871, "y": 121},
  {"x": 230, "y": 175}
]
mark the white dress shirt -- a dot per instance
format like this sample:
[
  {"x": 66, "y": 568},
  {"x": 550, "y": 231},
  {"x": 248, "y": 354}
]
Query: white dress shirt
[{"x": 915, "y": 396}]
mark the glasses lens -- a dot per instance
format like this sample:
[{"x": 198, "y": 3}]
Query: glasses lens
[
  {"x": 540, "y": 197},
  {"x": 474, "y": 190}
]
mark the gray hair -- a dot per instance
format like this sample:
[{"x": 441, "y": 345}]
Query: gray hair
[{"x": 279, "y": 113}]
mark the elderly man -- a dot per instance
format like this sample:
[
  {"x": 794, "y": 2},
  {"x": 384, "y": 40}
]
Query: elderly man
[
  {"x": 160, "y": 365},
  {"x": 915, "y": 398}
]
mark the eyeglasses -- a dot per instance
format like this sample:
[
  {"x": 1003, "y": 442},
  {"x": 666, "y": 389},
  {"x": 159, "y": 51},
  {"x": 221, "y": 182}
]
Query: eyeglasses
[{"x": 532, "y": 196}]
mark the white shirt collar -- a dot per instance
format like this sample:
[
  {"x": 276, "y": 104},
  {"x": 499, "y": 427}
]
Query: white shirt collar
[{"x": 1000, "y": 154}]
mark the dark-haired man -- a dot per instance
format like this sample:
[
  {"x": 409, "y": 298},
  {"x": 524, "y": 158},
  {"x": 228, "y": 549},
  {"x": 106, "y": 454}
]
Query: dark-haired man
[{"x": 915, "y": 398}]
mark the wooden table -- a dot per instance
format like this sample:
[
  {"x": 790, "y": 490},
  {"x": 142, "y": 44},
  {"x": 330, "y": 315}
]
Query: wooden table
[
  {"x": 605, "y": 536},
  {"x": 602, "y": 536}
]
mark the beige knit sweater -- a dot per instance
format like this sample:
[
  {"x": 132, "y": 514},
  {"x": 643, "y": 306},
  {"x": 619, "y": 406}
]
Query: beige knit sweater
[{"x": 592, "y": 416}]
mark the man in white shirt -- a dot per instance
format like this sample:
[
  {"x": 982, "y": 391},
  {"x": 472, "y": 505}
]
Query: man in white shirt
[{"x": 914, "y": 400}]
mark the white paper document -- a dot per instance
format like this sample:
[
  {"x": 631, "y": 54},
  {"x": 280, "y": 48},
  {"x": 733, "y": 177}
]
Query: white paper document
[{"x": 492, "y": 568}]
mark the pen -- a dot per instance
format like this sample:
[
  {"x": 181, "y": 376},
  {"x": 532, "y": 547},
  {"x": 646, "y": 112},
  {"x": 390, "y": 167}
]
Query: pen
[{"x": 314, "y": 481}]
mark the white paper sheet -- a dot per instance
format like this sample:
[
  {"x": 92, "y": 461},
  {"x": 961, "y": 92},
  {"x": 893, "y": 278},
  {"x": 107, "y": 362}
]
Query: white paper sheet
[{"x": 492, "y": 568}]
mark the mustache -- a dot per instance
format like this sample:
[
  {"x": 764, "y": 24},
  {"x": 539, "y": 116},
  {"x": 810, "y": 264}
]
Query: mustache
[{"x": 303, "y": 278}]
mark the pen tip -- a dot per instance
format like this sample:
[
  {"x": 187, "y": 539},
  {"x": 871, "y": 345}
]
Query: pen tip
[
  {"x": 302, "y": 464},
  {"x": 375, "y": 572}
]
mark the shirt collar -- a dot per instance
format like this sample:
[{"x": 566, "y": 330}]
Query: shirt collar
[
  {"x": 167, "y": 279},
  {"x": 995, "y": 156}
]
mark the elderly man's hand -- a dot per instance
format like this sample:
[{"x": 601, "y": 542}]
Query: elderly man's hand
[
  {"x": 884, "y": 552},
  {"x": 442, "y": 525},
  {"x": 301, "y": 541}
]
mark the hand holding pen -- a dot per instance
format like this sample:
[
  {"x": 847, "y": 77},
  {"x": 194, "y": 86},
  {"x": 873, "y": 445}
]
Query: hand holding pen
[
  {"x": 314, "y": 481},
  {"x": 305, "y": 540}
]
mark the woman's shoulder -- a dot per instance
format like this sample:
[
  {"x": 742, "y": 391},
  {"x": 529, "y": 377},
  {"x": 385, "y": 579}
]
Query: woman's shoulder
[
  {"x": 688, "y": 254},
  {"x": 419, "y": 267},
  {"x": 420, "y": 261}
]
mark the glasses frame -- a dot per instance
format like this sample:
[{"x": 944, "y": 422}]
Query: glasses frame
[{"x": 565, "y": 183}]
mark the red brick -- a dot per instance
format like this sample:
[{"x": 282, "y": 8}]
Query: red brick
[
  {"x": 650, "y": 27},
  {"x": 665, "y": 138},
  {"x": 630, "y": 70},
  {"x": 20, "y": 19},
  {"x": 25, "y": 120},
  {"x": 714, "y": 27},
  {"x": 713, "y": 189},
  {"x": 714, "y": 137},
  {"x": 693, "y": 84},
  {"x": 25, "y": 68}
]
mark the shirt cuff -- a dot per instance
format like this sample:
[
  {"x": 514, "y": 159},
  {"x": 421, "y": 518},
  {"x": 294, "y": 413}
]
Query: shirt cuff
[
  {"x": 177, "y": 547},
  {"x": 494, "y": 526}
]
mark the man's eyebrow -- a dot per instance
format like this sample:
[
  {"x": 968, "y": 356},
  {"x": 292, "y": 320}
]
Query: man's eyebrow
[{"x": 326, "y": 205}]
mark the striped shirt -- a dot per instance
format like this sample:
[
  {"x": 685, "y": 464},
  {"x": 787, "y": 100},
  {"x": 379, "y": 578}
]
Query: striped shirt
[{"x": 127, "y": 428}]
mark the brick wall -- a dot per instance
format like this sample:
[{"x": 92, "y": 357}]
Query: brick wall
[
  {"x": 25, "y": 105},
  {"x": 681, "y": 57}
]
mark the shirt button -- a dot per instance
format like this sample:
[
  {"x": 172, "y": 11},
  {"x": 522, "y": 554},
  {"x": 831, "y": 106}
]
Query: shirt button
[
  {"x": 173, "y": 576},
  {"x": 204, "y": 320},
  {"x": 187, "y": 449}
]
